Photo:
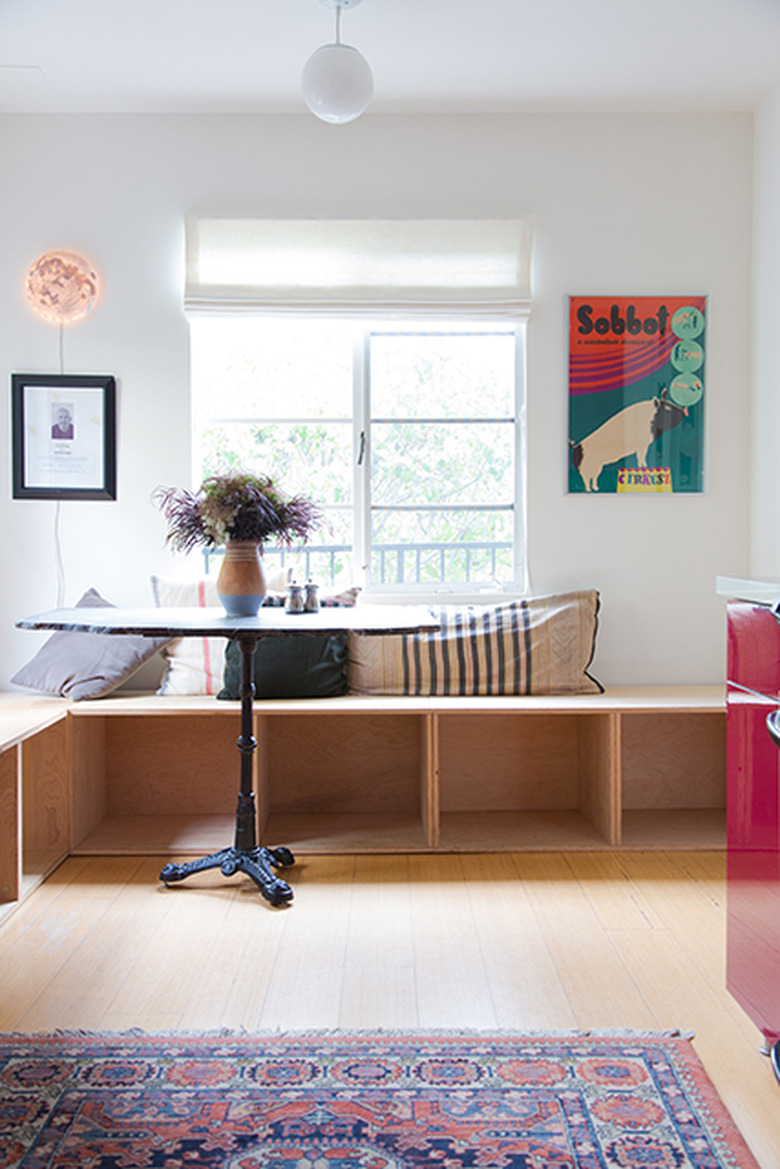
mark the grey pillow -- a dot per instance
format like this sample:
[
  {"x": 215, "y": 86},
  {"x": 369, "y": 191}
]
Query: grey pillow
[{"x": 86, "y": 665}]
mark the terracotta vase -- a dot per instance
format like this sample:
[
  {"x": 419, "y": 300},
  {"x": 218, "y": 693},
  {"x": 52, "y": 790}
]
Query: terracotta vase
[{"x": 241, "y": 584}]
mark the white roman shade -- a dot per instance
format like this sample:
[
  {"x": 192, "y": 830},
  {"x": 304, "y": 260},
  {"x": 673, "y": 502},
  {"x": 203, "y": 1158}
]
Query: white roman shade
[{"x": 360, "y": 267}]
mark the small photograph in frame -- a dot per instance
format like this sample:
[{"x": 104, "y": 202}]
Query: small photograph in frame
[{"x": 64, "y": 436}]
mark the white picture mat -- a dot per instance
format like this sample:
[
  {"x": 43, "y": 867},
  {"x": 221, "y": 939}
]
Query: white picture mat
[{"x": 55, "y": 462}]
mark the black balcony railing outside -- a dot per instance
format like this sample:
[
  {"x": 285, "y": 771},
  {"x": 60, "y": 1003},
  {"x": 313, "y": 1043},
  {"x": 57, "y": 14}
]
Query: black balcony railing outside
[{"x": 393, "y": 564}]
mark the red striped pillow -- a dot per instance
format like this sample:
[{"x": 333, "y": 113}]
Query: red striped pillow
[{"x": 194, "y": 665}]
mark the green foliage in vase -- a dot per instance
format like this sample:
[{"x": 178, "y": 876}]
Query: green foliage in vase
[{"x": 237, "y": 506}]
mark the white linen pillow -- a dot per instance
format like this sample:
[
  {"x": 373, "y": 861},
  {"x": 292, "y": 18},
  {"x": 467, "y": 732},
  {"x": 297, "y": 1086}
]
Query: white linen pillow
[{"x": 194, "y": 665}]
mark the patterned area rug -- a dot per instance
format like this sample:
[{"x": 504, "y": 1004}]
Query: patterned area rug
[{"x": 361, "y": 1101}]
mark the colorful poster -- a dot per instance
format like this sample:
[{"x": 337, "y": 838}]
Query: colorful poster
[{"x": 636, "y": 394}]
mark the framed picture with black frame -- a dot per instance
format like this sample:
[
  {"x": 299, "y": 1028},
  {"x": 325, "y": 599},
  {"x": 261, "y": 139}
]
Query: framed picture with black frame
[{"x": 64, "y": 436}]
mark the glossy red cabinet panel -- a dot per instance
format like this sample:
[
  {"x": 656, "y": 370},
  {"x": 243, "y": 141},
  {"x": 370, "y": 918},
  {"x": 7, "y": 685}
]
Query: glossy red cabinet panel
[{"x": 753, "y": 929}]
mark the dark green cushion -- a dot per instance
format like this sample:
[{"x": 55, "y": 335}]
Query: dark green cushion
[{"x": 291, "y": 667}]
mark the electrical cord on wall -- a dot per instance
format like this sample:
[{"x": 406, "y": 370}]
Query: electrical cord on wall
[
  {"x": 59, "y": 562},
  {"x": 62, "y": 287}
]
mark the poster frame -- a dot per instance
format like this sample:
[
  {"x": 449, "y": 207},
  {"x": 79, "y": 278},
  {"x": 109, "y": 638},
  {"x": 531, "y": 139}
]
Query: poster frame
[
  {"x": 43, "y": 462},
  {"x": 628, "y": 356}
]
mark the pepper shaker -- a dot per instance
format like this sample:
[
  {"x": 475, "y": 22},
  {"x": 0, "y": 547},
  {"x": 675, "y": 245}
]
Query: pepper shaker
[
  {"x": 294, "y": 602},
  {"x": 312, "y": 602}
]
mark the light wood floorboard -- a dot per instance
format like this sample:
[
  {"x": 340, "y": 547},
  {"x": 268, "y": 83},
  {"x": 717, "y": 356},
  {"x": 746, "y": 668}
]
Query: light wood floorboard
[
  {"x": 379, "y": 959},
  {"x": 519, "y": 941}
]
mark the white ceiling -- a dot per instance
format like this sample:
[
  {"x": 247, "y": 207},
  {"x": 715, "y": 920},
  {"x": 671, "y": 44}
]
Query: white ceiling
[{"x": 427, "y": 55}]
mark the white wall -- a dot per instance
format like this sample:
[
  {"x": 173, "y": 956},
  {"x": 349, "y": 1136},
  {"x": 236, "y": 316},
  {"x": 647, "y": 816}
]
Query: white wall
[
  {"x": 623, "y": 205},
  {"x": 765, "y": 463}
]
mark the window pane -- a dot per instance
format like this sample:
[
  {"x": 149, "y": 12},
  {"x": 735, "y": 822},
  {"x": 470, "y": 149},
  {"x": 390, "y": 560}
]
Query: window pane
[
  {"x": 305, "y": 458},
  {"x": 443, "y": 375},
  {"x": 246, "y": 367},
  {"x": 442, "y": 547},
  {"x": 465, "y": 463}
]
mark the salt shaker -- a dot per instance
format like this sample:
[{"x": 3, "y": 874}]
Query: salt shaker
[
  {"x": 312, "y": 602},
  {"x": 294, "y": 602}
]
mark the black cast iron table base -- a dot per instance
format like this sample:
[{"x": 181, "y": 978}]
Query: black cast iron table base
[
  {"x": 245, "y": 856},
  {"x": 258, "y": 863}
]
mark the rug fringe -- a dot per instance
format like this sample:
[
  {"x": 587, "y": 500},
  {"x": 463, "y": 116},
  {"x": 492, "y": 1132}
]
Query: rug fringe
[{"x": 342, "y": 1032}]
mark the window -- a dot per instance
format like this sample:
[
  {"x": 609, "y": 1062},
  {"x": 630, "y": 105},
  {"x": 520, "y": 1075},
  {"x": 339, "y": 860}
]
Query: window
[
  {"x": 376, "y": 366},
  {"x": 409, "y": 436}
]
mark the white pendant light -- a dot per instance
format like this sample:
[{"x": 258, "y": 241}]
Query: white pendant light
[{"x": 337, "y": 82}]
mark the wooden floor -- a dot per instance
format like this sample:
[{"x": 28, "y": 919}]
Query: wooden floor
[{"x": 517, "y": 941}]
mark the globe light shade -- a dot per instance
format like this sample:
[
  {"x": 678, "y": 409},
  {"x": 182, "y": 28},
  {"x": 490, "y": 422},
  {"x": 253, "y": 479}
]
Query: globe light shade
[
  {"x": 337, "y": 83},
  {"x": 62, "y": 287}
]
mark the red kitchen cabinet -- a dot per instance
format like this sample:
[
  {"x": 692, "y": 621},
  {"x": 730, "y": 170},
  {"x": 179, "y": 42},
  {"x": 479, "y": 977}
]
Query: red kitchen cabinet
[{"x": 753, "y": 922}]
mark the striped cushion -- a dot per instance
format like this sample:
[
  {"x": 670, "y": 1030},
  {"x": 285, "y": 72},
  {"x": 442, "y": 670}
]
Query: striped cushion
[{"x": 537, "y": 645}]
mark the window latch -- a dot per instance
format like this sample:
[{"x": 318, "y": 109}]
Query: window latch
[{"x": 362, "y": 448}]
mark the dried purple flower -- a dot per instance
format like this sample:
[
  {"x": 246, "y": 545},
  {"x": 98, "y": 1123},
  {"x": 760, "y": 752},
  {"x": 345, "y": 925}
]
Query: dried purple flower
[{"x": 235, "y": 507}]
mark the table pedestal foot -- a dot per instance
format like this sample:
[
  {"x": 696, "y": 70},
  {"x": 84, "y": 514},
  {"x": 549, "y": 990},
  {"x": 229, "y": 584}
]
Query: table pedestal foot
[{"x": 258, "y": 863}]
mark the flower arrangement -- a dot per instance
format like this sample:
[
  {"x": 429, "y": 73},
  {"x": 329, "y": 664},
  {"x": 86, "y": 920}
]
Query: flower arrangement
[{"x": 235, "y": 507}]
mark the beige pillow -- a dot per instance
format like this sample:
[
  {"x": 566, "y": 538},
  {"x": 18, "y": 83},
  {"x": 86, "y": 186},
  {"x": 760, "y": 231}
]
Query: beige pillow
[{"x": 536, "y": 645}]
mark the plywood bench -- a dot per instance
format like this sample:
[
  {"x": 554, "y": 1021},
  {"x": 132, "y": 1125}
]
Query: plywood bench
[
  {"x": 637, "y": 768},
  {"x": 34, "y": 792}
]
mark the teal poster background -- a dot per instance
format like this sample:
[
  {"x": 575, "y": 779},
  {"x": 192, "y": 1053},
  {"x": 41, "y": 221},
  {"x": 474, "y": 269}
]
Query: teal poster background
[{"x": 636, "y": 394}]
